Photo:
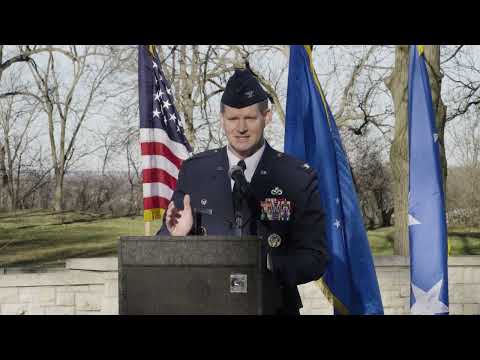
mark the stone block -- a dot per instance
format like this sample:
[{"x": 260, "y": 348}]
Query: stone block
[
  {"x": 59, "y": 278},
  {"x": 395, "y": 301},
  {"x": 455, "y": 275},
  {"x": 399, "y": 310},
  {"x": 307, "y": 303},
  {"x": 111, "y": 276},
  {"x": 88, "y": 302},
  {"x": 34, "y": 309},
  {"x": 304, "y": 311},
  {"x": 468, "y": 275},
  {"x": 388, "y": 295},
  {"x": 476, "y": 275},
  {"x": 471, "y": 309},
  {"x": 391, "y": 261},
  {"x": 96, "y": 288},
  {"x": 473, "y": 260},
  {"x": 386, "y": 276},
  {"x": 387, "y": 310},
  {"x": 79, "y": 312},
  {"x": 59, "y": 310},
  {"x": 111, "y": 288},
  {"x": 9, "y": 295},
  {"x": 320, "y": 304},
  {"x": 65, "y": 299},
  {"x": 387, "y": 285},
  {"x": 405, "y": 291},
  {"x": 311, "y": 290},
  {"x": 403, "y": 278},
  {"x": 14, "y": 309},
  {"x": 320, "y": 312},
  {"x": 471, "y": 293},
  {"x": 75, "y": 289},
  {"x": 44, "y": 295},
  {"x": 95, "y": 264},
  {"x": 301, "y": 290},
  {"x": 456, "y": 293},
  {"x": 110, "y": 306},
  {"x": 456, "y": 309}
]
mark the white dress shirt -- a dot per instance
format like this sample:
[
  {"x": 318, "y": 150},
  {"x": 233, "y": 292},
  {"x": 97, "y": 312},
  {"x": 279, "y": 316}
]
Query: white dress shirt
[{"x": 251, "y": 162}]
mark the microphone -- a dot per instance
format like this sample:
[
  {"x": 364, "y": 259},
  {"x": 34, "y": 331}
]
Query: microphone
[{"x": 236, "y": 173}]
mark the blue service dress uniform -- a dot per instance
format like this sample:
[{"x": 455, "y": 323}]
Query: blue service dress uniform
[{"x": 300, "y": 255}]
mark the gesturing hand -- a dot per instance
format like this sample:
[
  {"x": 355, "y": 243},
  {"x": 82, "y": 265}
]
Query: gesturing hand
[{"x": 179, "y": 222}]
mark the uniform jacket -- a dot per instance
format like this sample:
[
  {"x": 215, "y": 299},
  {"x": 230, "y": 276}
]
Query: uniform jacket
[{"x": 301, "y": 256}]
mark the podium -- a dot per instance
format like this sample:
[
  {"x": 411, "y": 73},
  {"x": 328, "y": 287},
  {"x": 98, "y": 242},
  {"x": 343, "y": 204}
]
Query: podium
[{"x": 194, "y": 275}]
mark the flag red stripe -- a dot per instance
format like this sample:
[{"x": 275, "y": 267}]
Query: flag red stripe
[
  {"x": 155, "y": 202},
  {"x": 157, "y": 148},
  {"x": 159, "y": 175}
]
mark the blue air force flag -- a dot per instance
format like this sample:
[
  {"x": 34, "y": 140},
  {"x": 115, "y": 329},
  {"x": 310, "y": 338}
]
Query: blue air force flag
[
  {"x": 426, "y": 205},
  {"x": 311, "y": 135}
]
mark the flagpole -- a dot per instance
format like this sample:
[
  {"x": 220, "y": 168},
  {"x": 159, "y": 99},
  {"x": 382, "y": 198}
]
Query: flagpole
[
  {"x": 159, "y": 131},
  {"x": 148, "y": 228}
]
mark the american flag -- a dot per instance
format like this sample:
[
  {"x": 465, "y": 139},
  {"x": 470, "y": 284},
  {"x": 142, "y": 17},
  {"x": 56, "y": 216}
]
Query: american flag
[{"x": 163, "y": 142}]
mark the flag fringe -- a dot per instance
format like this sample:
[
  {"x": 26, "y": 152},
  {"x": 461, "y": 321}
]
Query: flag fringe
[
  {"x": 332, "y": 299},
  {"x": 153, "y": 214}
]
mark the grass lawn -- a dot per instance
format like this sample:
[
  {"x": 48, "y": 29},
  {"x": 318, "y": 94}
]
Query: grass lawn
[
  {"x": 463, "y": 241},
  {"x": 48, "y": 238},
  {"x": 42, "y": 238}
]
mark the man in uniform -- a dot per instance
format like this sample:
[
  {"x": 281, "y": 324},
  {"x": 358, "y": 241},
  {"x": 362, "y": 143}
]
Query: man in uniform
[{"x": 295, "y": 248}]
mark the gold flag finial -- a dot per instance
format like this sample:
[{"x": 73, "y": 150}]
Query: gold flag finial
[{"x": 420, "y": 49}]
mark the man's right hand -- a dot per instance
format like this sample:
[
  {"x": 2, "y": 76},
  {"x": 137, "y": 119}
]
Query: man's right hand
[{"x": 179, "y": 222}]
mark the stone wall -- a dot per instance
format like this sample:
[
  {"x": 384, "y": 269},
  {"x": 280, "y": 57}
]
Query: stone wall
[
  {"x": 393, "y": 273},
  {"x": 90, "y": 286},
  {"x": 84, "y": 287}
]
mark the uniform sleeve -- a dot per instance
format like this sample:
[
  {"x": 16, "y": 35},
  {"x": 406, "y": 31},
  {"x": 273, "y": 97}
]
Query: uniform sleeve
[
  {"x": 177, "y": 196},
  {"x": 306, "y": 257}
]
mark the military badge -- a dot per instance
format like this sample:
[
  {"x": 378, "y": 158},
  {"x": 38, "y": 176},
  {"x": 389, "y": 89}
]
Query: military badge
[
  {"x": 249, "y": 94},
  {"x": 275, "y": 209},
  {"x": 276, "y": 191},
  {"x": 274, "y": 240}
]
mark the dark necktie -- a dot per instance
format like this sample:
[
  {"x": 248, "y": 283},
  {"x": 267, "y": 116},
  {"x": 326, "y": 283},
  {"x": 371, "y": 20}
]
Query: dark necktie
[{"x": 240, "y": 205}]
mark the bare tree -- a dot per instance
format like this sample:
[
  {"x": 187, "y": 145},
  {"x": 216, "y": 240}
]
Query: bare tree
[
  {"x": 463, "y": 200},
  {"x": 17, "y": 114},
  {"x": 69, "y": 87}
]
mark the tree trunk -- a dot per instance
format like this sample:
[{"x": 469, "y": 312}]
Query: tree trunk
[
  {"x": 432, "y": 56},
  {"x": 3, "y": 174},
  {"x": 186, "y": 92},
  {"x": 58, "y": 199},
  {"x": 397, "y": 83}
]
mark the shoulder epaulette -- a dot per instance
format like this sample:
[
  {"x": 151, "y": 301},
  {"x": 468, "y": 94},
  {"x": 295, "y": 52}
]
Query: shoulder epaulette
[
  {"x": 295, "y": 162},
  {"x": 203, "y": 154},
  {"x": 305, "y": 167}
]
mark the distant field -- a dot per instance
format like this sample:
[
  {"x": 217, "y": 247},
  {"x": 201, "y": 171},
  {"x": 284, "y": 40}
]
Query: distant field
[{"x": 42, "y": 238}]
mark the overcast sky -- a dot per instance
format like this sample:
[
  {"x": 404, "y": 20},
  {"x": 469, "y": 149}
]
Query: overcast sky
[{"x": 325, "y": 59}]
